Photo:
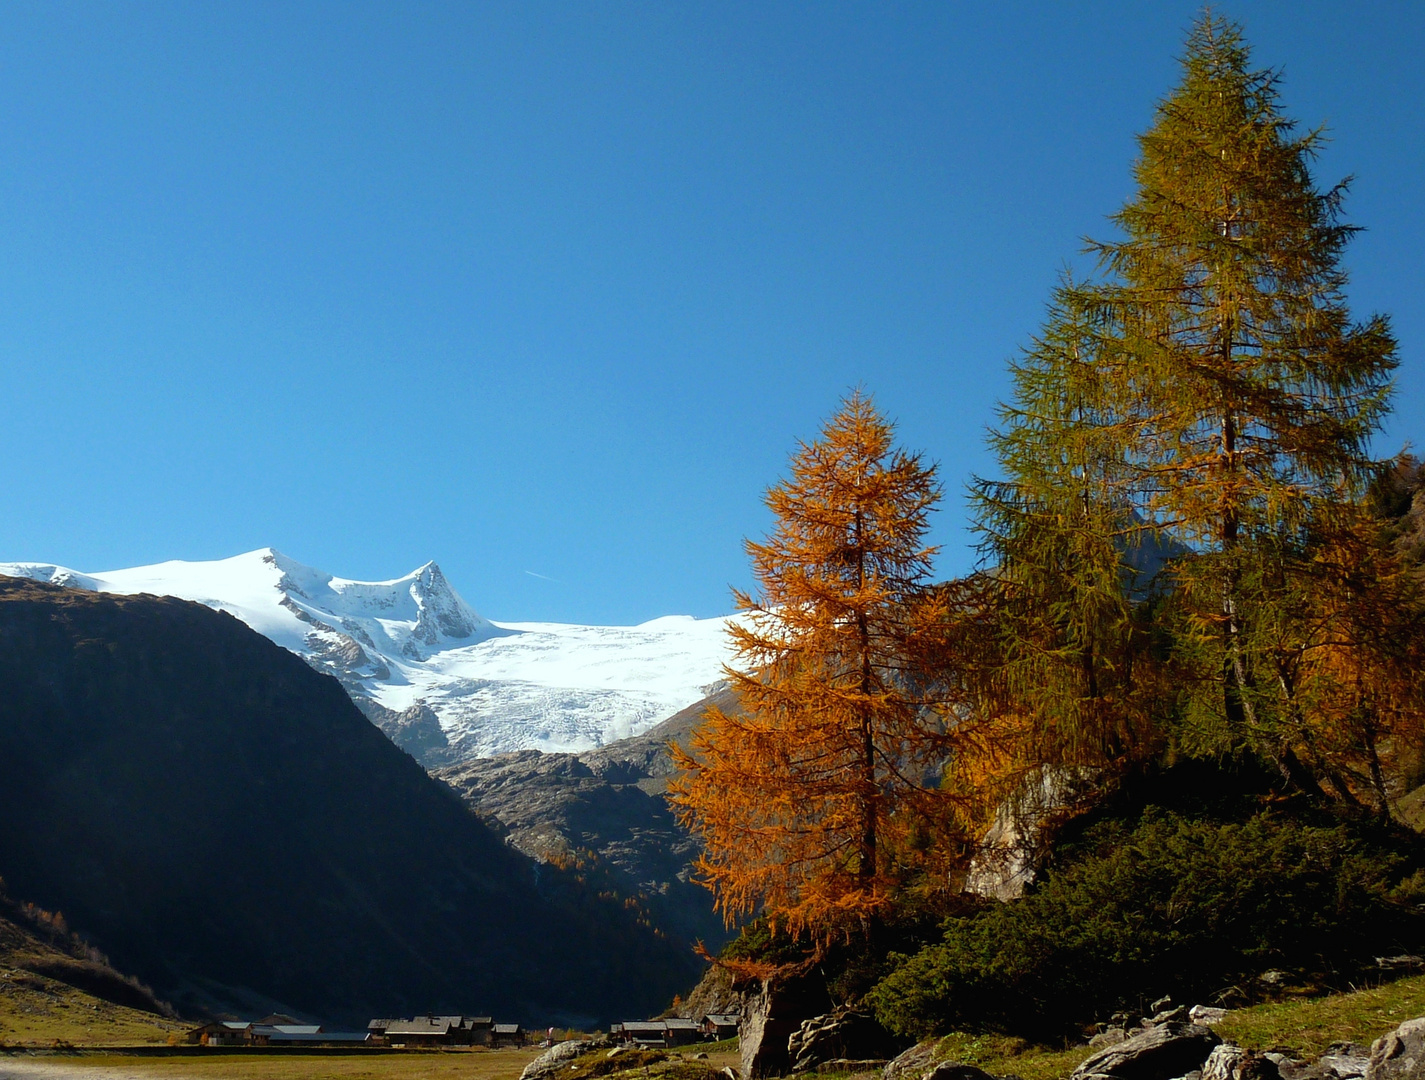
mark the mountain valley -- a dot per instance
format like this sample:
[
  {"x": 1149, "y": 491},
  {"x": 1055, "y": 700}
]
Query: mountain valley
[{"x": 220, "y": 819}]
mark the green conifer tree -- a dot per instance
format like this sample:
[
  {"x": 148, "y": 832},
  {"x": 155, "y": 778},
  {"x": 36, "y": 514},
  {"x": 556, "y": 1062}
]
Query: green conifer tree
[{"x": 1210, "y": 389}]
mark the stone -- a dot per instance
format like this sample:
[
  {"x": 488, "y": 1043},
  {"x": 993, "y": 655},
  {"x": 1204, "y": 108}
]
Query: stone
[
  {"x": 555, "y": 1058},
  {"x": 1163, "y": 1004},
  {"x": 1109, "y": 1037},
  {"x": 1406, "y": 962},
  {"x": 845, "y": 1033},
  {"x": 772, "y": 1011},
  {"x": 912, "y": 1064},
  {"x": 1399, "y": 1055},
  {"x": 1347, "y": 1060},
  {"x": 1230, "y": 1062},
  {"x": 1171, "y": 1016},
  {"x": 1206, "y": 1014},
  {"x": 1159, "y": 1053}
]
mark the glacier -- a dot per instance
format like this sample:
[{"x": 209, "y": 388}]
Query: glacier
[{"x": 412, "y": 652}]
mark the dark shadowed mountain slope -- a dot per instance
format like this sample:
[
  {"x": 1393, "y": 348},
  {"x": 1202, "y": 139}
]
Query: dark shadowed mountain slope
[
  {"x": 605, "y": 810},
  {"x": 223, "y": 822}
]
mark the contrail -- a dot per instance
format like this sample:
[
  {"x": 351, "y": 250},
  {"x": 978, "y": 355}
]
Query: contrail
[{"x": 543, "y": 577}]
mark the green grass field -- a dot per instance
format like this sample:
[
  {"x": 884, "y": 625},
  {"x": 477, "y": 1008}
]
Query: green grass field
[
  {"x": 1302, "y": 1027},
  {"x": 36, "y": 1012}
]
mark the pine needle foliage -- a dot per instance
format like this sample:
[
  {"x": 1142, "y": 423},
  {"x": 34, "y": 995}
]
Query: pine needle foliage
[
  {"x": 810, "y": 801},
  {"x": 1182, "y": 552}
]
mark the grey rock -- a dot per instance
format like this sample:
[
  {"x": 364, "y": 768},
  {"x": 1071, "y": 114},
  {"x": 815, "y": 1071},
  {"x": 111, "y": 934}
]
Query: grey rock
[
  {"x": 1290, "y": 1069},
  {"x": 844, "y": 1033},
  {"x": 1230, "y": 1062},
  {"x": 772, "y": 1011},
  {"x": 1206, "y": 1014},
  {"x": 1109, "y": 1037},
  {"x": 555, "y": 1058},
  {"x": 1406, "y": 962},
  {"x": 1159, "y": 1053},
  {"x": 1171, "y": 1016},
  {"x": 1347, "y": 1060},
  {"x": 1399, "y": 1055},
  {"x": 912, "y": 1064},
  {"x": 608, "y": 807}
]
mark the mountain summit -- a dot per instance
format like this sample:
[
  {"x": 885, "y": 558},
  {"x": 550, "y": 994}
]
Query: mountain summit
[{"x": 425, "y": 666}]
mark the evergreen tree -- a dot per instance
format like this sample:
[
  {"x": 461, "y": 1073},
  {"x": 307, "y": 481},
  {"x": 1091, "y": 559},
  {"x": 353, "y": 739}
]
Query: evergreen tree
[
  {"x": 1212, "y": 392},
  {"x": 805, "y": 799},
  {"x": 1063, "y": 538}
]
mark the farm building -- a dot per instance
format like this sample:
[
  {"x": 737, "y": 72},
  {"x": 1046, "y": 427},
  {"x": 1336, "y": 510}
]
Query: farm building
[{"x": 721, "y": 1025}]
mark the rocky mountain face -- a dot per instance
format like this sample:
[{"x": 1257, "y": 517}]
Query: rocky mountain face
[
  {"x": 445, "y": 683},
  {"x": 603, "y": 810},
  {"x": 222, "y": 821}
]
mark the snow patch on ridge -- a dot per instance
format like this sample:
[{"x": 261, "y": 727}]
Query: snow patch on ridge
[{"x": 413, "y": 641}]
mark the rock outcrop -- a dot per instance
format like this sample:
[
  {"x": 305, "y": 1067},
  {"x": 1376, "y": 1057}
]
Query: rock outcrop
[
  {"x": 844, "y": 1034},
  {"x": 1399, "y": 1055},
  {"x": 1230, "y": 1062},
  {"x": 1160, "y": 1052},
  {"x": 555, "y": 1058},
  {"x": 772, "y": 1011},
  {"x": 605, "y": 808},
  {"x": 912, "y": 1064}
]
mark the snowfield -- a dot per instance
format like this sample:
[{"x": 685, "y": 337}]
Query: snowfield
[{"x": 414, "y": 644}]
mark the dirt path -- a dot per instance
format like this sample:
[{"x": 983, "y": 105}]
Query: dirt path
[{"x": 38, "y": 1068}]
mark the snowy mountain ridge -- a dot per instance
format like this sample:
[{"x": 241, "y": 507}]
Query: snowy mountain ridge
[{"x": 411, "y": 651}]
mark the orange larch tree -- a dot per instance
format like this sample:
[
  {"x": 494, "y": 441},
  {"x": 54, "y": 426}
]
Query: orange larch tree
[{"x": 809, "y": 801}]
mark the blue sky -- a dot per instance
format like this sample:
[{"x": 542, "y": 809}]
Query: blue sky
[{"x": 548, "y": 292}]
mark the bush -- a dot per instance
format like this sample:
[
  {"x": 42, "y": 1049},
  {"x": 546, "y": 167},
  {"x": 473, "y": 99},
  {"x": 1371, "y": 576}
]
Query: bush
[{"x": 1167, "y": 905}]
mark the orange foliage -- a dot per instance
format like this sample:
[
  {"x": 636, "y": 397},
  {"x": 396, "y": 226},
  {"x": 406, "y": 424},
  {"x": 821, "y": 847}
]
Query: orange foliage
[{"x": 818, "y": 799}]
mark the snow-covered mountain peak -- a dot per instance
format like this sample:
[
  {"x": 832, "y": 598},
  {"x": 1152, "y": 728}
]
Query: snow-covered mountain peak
[{"x": 411, "y": 651}]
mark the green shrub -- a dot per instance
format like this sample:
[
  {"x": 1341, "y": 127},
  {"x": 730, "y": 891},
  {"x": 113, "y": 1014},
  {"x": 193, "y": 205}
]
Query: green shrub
[{"x": 1164, "y": 906}]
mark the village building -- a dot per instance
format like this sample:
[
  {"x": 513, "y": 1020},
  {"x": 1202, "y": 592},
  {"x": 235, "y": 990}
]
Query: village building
[
  {"x": 221, "y": 1033},
  {"x": 681, "y": 1032},
  {"x": 643, "y": 1032},
  {"x": 721, "y": 1025},
  {"x": 506, "y": 1035},
  {"x": 260, "y": 1033}
]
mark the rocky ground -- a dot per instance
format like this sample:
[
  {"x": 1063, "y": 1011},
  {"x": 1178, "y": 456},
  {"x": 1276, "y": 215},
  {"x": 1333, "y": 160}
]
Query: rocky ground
[{"x": 605, "y": 809}]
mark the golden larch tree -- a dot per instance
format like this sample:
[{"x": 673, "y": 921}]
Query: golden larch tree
[{"x": 809, "y": 799}]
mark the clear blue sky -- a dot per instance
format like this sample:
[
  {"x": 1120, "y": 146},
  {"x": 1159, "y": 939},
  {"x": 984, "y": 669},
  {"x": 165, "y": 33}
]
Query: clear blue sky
[{"x": 553, "y": 288}]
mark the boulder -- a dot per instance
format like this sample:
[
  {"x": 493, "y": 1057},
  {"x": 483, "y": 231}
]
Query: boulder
[
  {"x": 1408, "y": 962},
  {"x": 845, "y": 1033},
  {"x": 912, "y": 1064},
  {"x": 1230, "y": 1062},
  {"x": 1346, "y": 1060},
  {"x": 1159, "y": 1053},
  {"x": 555, "y": 1058},
  {"x": 1206, "y": 1014},
  {"x": 1399, "y": 1055},
  {"x": 772, "y": 1011}
]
